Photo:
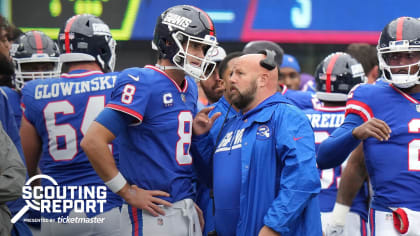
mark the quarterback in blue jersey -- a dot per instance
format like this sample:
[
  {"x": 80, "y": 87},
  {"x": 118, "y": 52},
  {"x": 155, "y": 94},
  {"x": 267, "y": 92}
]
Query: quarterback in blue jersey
[
  {"x": 334, "y": 78},
  {"x": 386, "y": 117},
  {"x": 57, "y": 114},
  {"x": 151, "y": 112},
  {"x": 264, "y": 174}
]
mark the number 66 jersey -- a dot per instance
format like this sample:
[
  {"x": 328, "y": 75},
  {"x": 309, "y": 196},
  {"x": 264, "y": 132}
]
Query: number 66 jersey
[
  {"x": 393, "y": 165},
  {"x": 154, "y": 149}
]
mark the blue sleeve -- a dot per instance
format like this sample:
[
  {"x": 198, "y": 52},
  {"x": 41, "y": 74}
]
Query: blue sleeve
[
  {"x": 113, "y": 120},
  {"x": 131, "y": 92},
  {"x": 336, "y": 148},
  {"x": 9, "y": 124},
  {"x": 299, "y": 179},
  {"x": 201, "y": 150}
]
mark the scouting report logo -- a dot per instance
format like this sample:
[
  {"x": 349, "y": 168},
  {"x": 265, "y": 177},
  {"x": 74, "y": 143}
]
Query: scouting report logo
[{"x": 61, "y": 199}]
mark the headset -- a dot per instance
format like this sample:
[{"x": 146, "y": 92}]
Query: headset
[{"x": 268, "y": 62}]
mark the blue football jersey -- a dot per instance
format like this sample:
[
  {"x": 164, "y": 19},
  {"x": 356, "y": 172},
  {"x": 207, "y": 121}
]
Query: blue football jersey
[
  {"x": 61, "y": 110},
  {"x": 324, "y": 121},
  {"x": 393, "y": 165},
  {"x": 13, "y": 97},
  {"x": 155, "y": 149},
  {"x": 301, "y": 99}
]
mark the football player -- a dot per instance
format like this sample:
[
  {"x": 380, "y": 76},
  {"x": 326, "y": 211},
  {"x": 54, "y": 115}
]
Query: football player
[
  {"x": 386, "y": 117},
  {"x": 57, "y": 114},
  {"x": 34, "y": 56},
  {"x": 335, "y": 76},
  {"x": 151, "y": 111}
]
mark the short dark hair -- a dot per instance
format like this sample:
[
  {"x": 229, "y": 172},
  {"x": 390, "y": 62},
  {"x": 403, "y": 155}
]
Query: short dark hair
[
  {"x": 365, "y": 54},
  {"x": 225, "y": 61}
]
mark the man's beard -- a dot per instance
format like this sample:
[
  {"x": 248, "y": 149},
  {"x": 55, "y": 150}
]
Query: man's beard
[
  {"x": 6, "y": 71},
  {"x": 211, "y": 95},
  {"x": 242, "y": 100}
]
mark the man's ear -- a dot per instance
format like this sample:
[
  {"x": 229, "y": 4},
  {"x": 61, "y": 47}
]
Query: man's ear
[{"x": 263, "y": 79}]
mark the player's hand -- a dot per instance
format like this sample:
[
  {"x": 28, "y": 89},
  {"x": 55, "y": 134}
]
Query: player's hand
[
  {"x": 267, "y": 231},
  {"x": 334, "y": 230},
  {"x": 375, "y": 128},
  {"x": 202, "y": 122},
  {"x": 145, "y": 199},
  {"x": 200, "y": 216}
]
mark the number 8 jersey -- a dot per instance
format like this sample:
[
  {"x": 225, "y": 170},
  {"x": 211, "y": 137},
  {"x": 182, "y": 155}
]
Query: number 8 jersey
[
  {"x": 154, "y": 150},
  {"x": 393, "y": 165}
]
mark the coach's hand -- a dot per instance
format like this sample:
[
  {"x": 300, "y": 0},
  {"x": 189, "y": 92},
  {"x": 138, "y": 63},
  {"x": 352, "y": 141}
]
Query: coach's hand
[
  {"x": 144, "y": 199},
  {"x": 375, "y": 128},
  {"x": 202, "y": 122}
]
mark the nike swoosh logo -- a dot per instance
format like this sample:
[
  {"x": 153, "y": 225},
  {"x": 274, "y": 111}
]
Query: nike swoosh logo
[
  {"x": 296, "y": 139},
  {"x": 135, "y": 78}
]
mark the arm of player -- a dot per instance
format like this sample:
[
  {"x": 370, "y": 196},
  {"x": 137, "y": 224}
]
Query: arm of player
[
  {"x": 32, "y": 147},
  {"x": 352, "y": 179},
  {"x": 329, "y": 156},
  {"x": 95, "y": 144}
]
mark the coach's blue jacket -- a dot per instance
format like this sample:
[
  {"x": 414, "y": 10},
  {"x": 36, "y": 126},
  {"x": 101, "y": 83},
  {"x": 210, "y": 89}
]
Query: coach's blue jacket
[{"x": 279, "y": 180}]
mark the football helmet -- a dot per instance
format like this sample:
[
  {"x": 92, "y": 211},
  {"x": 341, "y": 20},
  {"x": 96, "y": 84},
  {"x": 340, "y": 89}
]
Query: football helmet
[
  {"x": 336, "y": 75},
  {"x": 34, "y": 47},
  {"x": 176, "y": 29},
  {"x": 87, "y": 38},
  {"x": 401, "y": 35}
]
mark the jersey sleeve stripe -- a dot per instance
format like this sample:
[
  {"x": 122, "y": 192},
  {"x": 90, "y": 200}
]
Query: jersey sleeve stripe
[
  {"x": 359, "y": 108},
  {"x": 126, "y": 110}
]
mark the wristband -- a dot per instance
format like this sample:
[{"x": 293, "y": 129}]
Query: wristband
[
  {"x": 116, "y": 183},
  {"x": 339, "y": 213}
]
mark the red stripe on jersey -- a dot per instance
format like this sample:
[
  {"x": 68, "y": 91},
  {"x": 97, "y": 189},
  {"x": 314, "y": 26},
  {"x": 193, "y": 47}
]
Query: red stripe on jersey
[
  {"x": 283, "y": 89},
  {"x": 359, "y": 108},
  {"x": 135, "y": 221},
  {"x": 406, "y": 96},
  {"x": 372, "y": 222},
  {"x": 84, "y": 74},
  {"x": 167, "y": 76},
  {"x": 38, "y": 42},
  {"x": 364, "y": 230},
  {"x": 400, "y": 23},
  {"x": 126, "y": 110},
  {"x": 330, "y": 68},
  {"x": 66, "y": 33}
]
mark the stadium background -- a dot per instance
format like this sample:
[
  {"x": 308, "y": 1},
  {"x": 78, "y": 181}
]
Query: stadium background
[{"x": 307, "y": 29}]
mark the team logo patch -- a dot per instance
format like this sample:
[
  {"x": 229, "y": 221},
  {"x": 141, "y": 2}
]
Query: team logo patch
[{"x": 263, "y": 132}]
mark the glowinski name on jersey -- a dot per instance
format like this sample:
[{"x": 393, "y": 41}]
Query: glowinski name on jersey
[{"x": 68, "y": 88}]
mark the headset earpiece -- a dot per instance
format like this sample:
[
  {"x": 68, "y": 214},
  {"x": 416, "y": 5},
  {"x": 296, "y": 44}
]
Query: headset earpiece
[{"x": 268, "y": 62}]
